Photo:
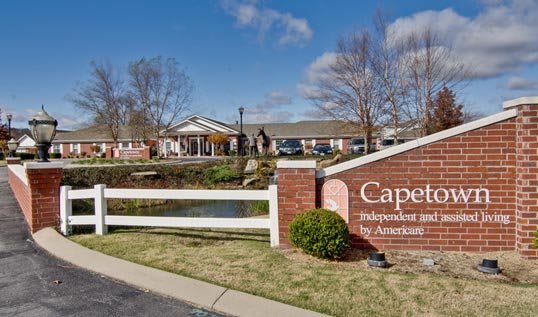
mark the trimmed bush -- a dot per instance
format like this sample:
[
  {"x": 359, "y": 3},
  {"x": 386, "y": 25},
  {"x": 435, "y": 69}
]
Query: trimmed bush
[
  {"x": 321, "y": 233},
  {"x": 221, "y": 173},
  {"x": 55, "y": 155}
]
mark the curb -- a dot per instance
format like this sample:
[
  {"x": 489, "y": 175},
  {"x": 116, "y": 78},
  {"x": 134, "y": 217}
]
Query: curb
[{"x": 168, "y": 284}]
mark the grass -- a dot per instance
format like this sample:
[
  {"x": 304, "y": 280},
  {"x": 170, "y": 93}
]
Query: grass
[{"x": 243, "y": 260}]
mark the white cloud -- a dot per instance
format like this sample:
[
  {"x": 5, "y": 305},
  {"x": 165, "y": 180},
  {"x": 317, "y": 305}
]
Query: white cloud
[
  {"x": 314, "y": 73},
  {"x": 520, "y": 83},
  {"x": 500, "y": 39},
  {"x": 269, "y": 110},
  {"x": 288, "y": 29}
]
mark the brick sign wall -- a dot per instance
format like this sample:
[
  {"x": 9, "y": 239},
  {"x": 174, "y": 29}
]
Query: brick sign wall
[
  {"x": 471, "y": 188},
  {"x": 453, "y": 195}
]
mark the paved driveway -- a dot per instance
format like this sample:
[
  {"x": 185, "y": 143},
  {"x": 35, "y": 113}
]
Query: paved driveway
[{"x": 32, "y": 283}]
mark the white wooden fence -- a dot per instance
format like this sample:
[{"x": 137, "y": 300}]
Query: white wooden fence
[{"x": 101, "y": 220}]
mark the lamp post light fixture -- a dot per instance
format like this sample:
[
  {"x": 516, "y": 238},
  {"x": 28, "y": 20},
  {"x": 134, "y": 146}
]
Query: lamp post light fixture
[
  {"x": 9, "y": 117},
  {"x": 241, "y": 110},
  {"x": 12, "y": 146},
  {"x": 43, "y": 129}
]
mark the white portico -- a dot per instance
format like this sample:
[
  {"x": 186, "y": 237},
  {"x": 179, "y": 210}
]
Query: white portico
[{"x": 189, "y": 137}]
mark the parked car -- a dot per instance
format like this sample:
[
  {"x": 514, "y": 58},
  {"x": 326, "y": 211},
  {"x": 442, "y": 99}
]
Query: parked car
[
  {"x": 386, "y": 143},
  {"x": 322, "y": 149},
  {"x": 291, "y": 147},
  {"x": 356, "y": 146}
]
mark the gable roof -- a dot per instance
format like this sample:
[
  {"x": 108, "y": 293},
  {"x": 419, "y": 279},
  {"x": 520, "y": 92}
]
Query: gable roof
[
  {"x": 199, "y": 124},
  {"x": 302, "y": 129},
  {"x": 25, "y": 141},
  {"x": 95, "y": 133}
]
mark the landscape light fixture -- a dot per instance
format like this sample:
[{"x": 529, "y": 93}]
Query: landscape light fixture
[
  {"x": 43, "y": 129},
  {"x": 489, "y": 266},
  {"x": 377, "y": 259},
  {"x": 241, "y": 110},
  {"x": 12, "y": 146},
  {"x": 9, "y": 116}
]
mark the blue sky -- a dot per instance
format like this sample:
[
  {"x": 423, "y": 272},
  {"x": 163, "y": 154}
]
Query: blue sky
[{"x": 256, "y": 54}]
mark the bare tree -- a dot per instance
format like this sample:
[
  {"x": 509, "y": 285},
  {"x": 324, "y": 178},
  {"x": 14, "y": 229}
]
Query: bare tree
[
  {"x": 161, "y": 90},
  {"x": 389, "y": 66},
  {"x": 351, "y": 90},
  {"x": 103, "y": 97},
  {"x": 430, "y": 66}
]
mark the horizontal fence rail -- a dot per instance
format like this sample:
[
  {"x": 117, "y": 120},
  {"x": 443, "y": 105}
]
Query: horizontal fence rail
[{"x": 101, "y": 220}]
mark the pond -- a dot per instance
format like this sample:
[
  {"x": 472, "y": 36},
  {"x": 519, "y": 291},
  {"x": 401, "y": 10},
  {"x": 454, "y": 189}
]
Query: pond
[{"x": 199, "y": 208}]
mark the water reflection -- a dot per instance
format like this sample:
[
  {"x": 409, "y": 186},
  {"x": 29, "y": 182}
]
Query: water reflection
[{"x": 197, "y": 208}]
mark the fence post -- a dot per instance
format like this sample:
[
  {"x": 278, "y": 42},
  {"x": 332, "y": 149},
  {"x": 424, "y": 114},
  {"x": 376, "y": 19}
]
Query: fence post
[
  {"x": 66, "y": 209},
  {"x": 273, "y": 215},
  {"x": 100, "y": 210}
]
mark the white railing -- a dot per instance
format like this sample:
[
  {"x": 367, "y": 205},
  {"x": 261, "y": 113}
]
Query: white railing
[{"x": 102, "y": 220}]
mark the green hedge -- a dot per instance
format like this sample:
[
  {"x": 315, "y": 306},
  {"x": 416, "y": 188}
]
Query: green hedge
[
  {"x": 321, "y": 233},
  {"x": 26, "y": 156},
  {"x": 169, "y": 176}
]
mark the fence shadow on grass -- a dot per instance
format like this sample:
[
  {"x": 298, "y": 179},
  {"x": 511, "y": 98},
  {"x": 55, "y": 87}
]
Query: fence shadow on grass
[{"x": 207, "y": 234}]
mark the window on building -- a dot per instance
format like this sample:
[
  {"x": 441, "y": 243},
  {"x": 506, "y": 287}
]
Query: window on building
[
  {"x": 168, "y": 146},
  {"x": 125, "y": 145},
  {"x": 277, "y": 144},
  {"x": 337, "y": 144},
  {"x": 75, "y": 147},
  {"x": 56, "y": 148}
]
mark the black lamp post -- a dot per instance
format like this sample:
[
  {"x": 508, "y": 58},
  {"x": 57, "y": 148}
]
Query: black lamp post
[
  {"x": 9, "y": 117},
  {"x": 241, "y": 110},
  {"x": 43, "y": 129}
]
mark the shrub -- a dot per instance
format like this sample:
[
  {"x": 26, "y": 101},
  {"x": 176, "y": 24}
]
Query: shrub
[
  {"x": 321, "y": 233},
  {"x": 536, "y": 239},
  {"x": 221, "y": 173},
  {"x": 26, "y": 156},
  {"x": 55, "y": 155}
]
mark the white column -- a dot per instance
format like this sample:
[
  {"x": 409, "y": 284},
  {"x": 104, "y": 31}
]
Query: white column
[
  {"x": 198, "y": 142},
  {"x": 212, "y": 149},
  {"x": 164, "y": 146},
  {"x": 178, "y": 145}
]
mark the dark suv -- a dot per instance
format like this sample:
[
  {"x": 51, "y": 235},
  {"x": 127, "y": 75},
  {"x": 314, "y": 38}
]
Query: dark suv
[{"x": 291, "y": 147}]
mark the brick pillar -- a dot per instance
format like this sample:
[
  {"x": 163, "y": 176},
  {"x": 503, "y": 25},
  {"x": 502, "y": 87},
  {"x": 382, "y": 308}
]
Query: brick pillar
[
  {"x": 296, "y": 192},
  {"x": 13, "y": 160},
  {"x": 44, "y": 189},
  {"x": 108, "y": 152},
  {"x": 526, "y": 174}
]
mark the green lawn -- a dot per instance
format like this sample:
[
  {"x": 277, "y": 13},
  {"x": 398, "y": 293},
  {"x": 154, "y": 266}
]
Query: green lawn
[{"x": 243, "y": 260}]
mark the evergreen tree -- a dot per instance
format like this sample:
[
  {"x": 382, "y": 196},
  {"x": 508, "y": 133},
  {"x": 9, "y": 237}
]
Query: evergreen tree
[{"x": 446, "y": 113}]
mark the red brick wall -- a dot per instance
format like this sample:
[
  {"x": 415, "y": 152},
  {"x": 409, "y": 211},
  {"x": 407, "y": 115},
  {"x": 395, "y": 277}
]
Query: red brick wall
[
  {"x": 500, "y": 158},
  {"x": 527, "y": 179},
  {"x": 296, "y": 194},
  {"x": 483, "y": 158},
  {"x": 22, "y": 194},
  {"x": 39, "y": 200}
]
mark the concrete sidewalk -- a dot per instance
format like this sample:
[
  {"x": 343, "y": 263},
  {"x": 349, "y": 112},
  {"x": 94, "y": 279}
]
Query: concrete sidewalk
[{"x": 197, "y": 292}]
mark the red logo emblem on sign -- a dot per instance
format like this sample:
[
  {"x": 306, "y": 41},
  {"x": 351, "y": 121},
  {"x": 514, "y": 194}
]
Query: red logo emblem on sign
[{"x": 335, "y": 197}]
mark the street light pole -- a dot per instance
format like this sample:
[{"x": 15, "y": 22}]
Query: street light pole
[
  {"x": 240, "y": 147},
  {"x": 9, "y": 117}
]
